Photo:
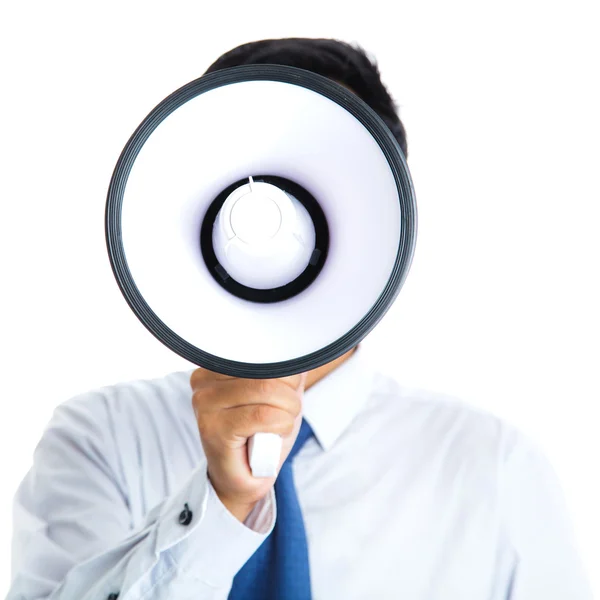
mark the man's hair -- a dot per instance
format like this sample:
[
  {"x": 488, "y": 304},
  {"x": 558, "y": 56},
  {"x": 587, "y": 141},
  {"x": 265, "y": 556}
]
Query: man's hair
[{"x": 334, "y": 59}]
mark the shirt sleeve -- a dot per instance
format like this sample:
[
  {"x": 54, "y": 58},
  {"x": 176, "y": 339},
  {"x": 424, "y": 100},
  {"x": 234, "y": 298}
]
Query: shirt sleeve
[
  {"x": 539, "y": 530},
  {"x": 72, "y": 532}
]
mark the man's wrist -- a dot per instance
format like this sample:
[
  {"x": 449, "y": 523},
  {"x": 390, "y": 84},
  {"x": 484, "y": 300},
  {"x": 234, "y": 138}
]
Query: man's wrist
[{"x": 240, "y": 510}]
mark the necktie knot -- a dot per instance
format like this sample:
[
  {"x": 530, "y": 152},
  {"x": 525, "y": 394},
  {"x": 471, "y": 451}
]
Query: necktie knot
[{"x": 303, "y": 435}]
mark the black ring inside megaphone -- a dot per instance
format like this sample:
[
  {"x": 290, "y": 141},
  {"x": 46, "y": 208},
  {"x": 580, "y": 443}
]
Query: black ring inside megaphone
[{"x": 278, "y": 294}]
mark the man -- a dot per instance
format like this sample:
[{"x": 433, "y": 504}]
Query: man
[{"x": 142, "y": 490}]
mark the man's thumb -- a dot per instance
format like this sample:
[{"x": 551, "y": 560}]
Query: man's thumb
[{"x": 302, "y": 384}]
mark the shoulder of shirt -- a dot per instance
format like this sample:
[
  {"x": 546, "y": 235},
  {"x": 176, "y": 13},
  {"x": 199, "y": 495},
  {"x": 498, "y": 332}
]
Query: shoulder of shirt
[
  {"x": 445, "y": 419},
  {"x": 129, "y": 402},
  {"x": 459, "y": 442}
]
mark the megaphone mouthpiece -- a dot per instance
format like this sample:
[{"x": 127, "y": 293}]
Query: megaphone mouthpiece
[{"x": 263, "y": 237}]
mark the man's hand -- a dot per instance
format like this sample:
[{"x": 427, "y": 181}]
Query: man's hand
[{"x": 229, "y": 411}]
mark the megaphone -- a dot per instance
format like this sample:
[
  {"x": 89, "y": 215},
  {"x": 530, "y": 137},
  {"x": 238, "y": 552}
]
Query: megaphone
[{"x": 259, "y": 222}]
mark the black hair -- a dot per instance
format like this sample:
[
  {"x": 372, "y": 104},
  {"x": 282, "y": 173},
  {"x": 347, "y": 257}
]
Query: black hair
[{"x": 339, "y": 61}]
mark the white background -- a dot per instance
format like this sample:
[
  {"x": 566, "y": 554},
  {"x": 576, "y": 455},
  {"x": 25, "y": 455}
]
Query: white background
[{"x": 501, "y": 106}]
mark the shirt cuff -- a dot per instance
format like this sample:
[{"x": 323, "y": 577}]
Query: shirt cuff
[
  {"x": 262, "y": 517},
  {"x": 214, "y": 545}
]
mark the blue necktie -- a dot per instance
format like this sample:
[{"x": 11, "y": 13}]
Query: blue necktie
[{"x": 279, "y": 570}]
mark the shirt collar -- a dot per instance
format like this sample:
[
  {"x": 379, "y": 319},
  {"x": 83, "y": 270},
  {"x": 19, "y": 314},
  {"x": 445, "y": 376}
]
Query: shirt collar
[{"x": 331, "y": 404}]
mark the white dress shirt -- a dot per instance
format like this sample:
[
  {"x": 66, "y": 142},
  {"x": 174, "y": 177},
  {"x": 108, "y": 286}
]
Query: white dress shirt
[{"x": 405, "y": 495}]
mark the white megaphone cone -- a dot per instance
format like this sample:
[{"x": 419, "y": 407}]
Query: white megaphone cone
[{"x": 260, "y": 222}]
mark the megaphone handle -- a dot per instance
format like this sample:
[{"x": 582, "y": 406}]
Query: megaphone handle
[{"x": 264, "y": 454}]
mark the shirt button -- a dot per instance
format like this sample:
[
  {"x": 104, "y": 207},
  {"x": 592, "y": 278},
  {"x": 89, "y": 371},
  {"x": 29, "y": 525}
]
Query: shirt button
[
  {"x": 185, "y": 516},
  {"x": 112, "y": 597}
]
